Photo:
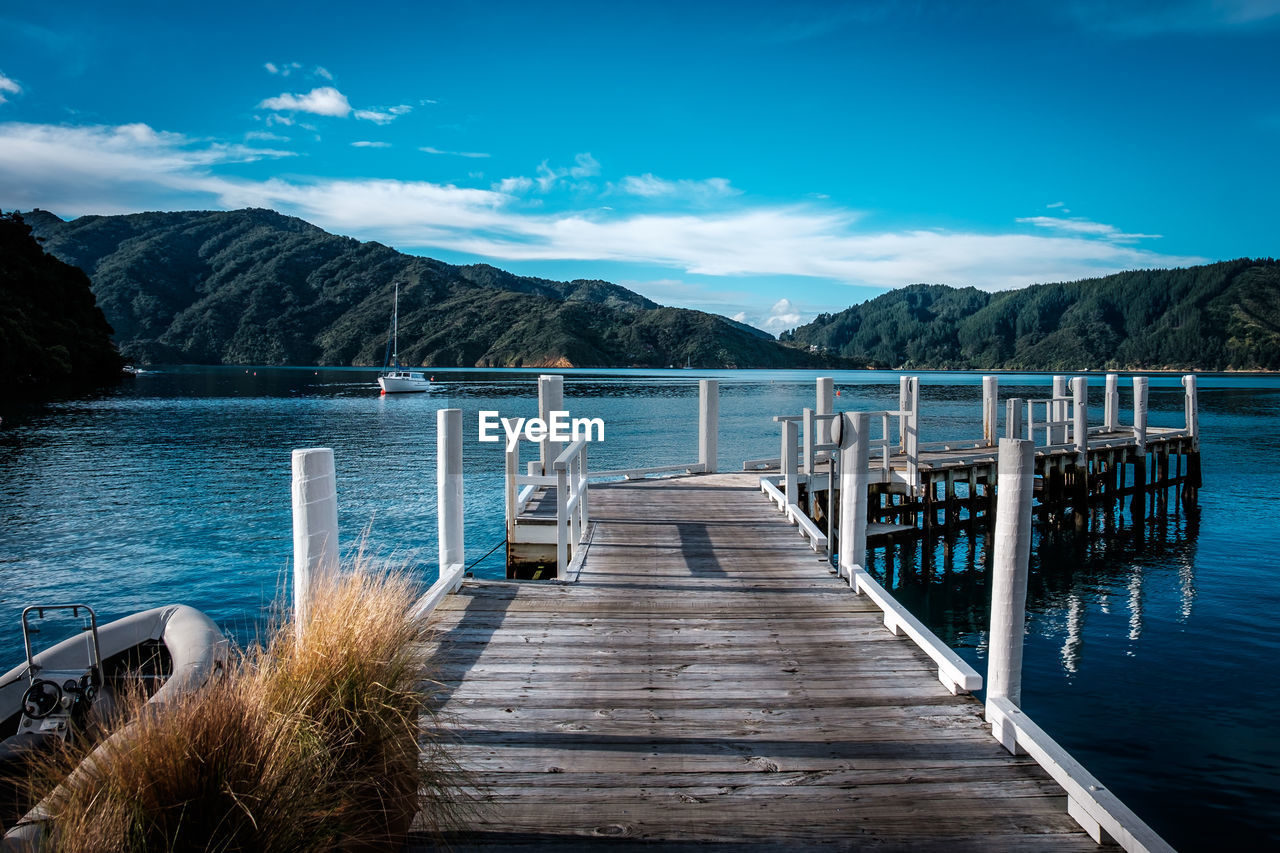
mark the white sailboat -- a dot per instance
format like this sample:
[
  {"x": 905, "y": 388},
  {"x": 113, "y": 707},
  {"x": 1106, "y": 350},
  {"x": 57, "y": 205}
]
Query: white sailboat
[{"x": 395, "y": 379}]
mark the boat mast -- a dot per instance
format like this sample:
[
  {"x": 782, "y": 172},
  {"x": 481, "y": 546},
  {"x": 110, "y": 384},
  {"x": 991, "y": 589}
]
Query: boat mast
[{"x": 395, "y": 329}]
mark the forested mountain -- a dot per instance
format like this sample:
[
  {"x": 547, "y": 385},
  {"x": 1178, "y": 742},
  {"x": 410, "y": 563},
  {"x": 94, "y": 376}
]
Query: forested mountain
[
  {"x": 257, "y": 287},
  {"x": 53, "y": 337},
  {"x": 1223, "y": 316}
]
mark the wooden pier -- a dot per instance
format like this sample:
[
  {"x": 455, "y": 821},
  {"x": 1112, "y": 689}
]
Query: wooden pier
[
  {"x": 697, "y": 674},
  {"x": 706, "y": 680}
]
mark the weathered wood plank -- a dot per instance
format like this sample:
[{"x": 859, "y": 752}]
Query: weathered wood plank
[{"x": 707, "y": 680}]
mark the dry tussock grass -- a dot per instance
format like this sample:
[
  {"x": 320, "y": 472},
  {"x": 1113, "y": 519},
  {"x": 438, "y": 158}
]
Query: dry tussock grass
[{"x": 310, "y": 744}]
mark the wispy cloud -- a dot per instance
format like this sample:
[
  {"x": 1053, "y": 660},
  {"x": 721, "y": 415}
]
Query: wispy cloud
[
  {"x": 1173, "y": 16},
  {"x": 8, "y": 84},
  {"x": 321, "y": 71},
  {"x": 584, "y": 166},
  {"x": 427, "y": 149},
  {"x": 366, "y": 144},
  {"x": 321, "y": 101},
  {"x": 650, "y": 186},
  {"x": 383, "y": 115},
  {"x": 133, "y": 167},
  {"x": 1077, "y": 225},
  {"x": 265, "y": 136},
  {"x": 282, "y": 70}
]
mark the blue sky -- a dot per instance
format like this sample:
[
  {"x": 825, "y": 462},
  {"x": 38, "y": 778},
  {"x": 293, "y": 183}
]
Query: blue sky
[{"x": 767, "y": 161}]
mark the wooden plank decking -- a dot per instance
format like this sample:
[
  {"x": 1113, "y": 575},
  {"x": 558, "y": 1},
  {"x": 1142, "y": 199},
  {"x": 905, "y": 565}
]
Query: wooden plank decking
[{"x": 707, "y": 682}]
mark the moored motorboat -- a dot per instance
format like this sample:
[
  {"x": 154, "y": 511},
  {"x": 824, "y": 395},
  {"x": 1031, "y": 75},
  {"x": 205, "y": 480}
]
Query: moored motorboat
[{"x": 70, "y": 688}]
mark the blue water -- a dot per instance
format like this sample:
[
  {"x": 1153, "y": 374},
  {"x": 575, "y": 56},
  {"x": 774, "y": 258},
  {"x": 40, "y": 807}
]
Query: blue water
[{"x": 1151, "y": 652}]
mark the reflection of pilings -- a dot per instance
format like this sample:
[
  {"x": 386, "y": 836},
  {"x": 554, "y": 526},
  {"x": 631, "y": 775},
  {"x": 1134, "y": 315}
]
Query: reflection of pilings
[
  {"x": 1187, "y": 587},
  {"x": 1075, "y": 633},
  {"x": 1135, "y": 603}
]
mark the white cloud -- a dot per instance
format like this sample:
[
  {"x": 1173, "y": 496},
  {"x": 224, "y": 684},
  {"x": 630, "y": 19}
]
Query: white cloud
[
  {"x": 366, "y": 144},
  {"x": 584, "y": 166},
  {"x": 514, "y": 186},
  {"x": 266, "y": 136},
  {"x": 651, "y": 186},
  {"x": 321, "y": 71},
  {"x": 8, "y": 84},
  {"x": 323, "y": 101},
  {"x": 473, "y": 154},
  {"x": 383, "y": 116},
  {"x": 134, "y": 167},
  {"x": 282, "y": 70},
  {"x": 783, "y": 315},
  {"x": 740, "y": 317},
  {"x": 1078, "y": 225}
]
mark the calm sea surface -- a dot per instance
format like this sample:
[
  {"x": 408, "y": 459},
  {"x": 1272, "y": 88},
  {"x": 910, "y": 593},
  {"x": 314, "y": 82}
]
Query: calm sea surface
[{"x": 1152, "y": 651}]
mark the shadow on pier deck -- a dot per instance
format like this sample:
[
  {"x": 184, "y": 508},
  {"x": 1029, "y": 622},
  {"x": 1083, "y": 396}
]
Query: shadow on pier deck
[{"x": 708, "y": 683}]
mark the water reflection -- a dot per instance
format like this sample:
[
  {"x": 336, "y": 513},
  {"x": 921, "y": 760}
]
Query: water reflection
[{"x": 945, "y": 581}]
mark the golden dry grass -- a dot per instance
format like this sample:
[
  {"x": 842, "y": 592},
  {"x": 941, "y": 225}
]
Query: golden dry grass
[{"x": 310, "y": 744}]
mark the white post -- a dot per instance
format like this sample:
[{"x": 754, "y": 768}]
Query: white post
[
  {"x": 1009, "y": 570},
  {"x": 512, "y": 491},
  {"x": 911, "y": 448},
  {"x": 550, "y": 399},
  {"x": 1140, "y": 411},
  {"x": 1191, "y": 410},
  {"x": 1013, "y": 418},
  {"x": 806, "y": 442},
  {"x": 825, "y": 405},
  {"x": 1058, "y": 435},
  {"x": 1080, "y": 419},
  {"x": 562, "y": 524},
  {"x": 315, "y": 526},
  {"x": 854, "y": 437},
  {"x": 449, "y": 487},
  {"x": 789, "y": 462},
  {"x": 1111, "y": 404},
  {"x": 904, "y": 403},
  {"x": 708, "y": 424},
  {"x": 990, "y": 410}
]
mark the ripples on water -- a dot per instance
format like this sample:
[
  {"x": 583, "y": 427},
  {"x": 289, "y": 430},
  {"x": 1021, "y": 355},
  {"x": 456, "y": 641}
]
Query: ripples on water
[{"x": 1151, "y": 650}]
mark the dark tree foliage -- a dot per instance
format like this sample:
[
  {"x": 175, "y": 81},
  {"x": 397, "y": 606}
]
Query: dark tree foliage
[
  {"x": 53, "y": 336},
  {"x": 1223, "y": 316},
  {"x": 256, "y": 287}
]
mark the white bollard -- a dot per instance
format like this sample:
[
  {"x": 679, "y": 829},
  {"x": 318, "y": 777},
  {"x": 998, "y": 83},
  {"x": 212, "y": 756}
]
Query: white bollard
[
  {"x": 1058, "y": 409},
  {"x": 1191, "y": 410},
  {"x": 315, "y": 526},
  {"x": 1011, "y": 555},
  {"x": 824, "y": 404},
  {"x": 789, "y": 463},
  {"x": 1140, "y": 412},
  {"x": 1111, "y": 404},
  {"x": 550, "y": 399},
  {"x": 904, "y": 404},
  {"x": 1080, "y": 419},
  {"x": 990, "y": 410},
  {"x": 854, "y": 478},
  {"x": 708, "y": 424},
  {"x": 449, "y": 487},
  {"x": 1013, "y": 425}
]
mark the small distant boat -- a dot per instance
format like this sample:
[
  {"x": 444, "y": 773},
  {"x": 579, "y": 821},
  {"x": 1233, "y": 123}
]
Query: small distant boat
[
  {"x": 394, "y": 378},
  {"x": 70, "y": 689}
]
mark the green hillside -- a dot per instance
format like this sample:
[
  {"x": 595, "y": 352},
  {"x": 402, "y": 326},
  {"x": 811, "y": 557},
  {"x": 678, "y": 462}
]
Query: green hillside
[
  {"x": 257, "y": 287},
  {"x": 1223, "y": 316},
  {"x": 53, "y": 337}
]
